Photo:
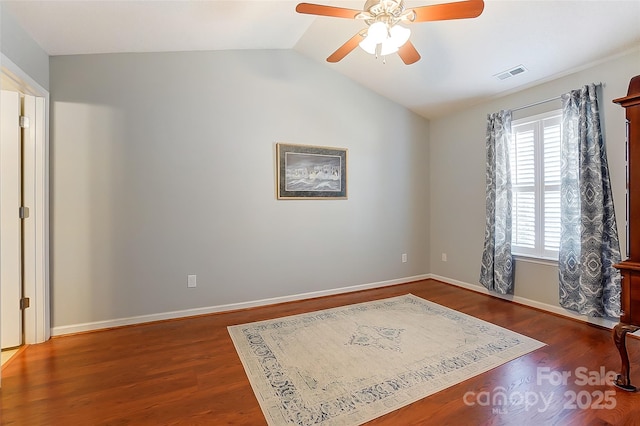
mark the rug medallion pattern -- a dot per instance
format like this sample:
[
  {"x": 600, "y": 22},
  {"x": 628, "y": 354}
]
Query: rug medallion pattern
[{"x": 349, "y": 365}]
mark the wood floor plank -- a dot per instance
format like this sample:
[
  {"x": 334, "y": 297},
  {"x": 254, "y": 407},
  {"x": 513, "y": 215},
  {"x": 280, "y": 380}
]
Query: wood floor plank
[{"x": 186, "y": 371}]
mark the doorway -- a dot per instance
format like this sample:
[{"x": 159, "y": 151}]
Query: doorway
[
  {"x": 31, "y": 162},
  {"x": 11, "y": 232}
]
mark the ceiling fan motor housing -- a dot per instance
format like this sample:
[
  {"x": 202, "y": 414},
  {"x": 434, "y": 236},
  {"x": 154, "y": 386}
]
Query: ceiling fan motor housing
[
  {"x": 391, "y": 7},
  {"x": 388, "y": 11}
]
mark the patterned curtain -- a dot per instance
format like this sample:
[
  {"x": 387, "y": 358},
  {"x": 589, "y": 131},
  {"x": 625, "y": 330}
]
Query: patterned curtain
[
  {"x": 589, "y": 245},
  {"x": 496, "y": 272}
]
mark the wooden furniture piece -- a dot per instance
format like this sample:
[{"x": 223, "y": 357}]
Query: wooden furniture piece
[{"x": 630, "y": 268}]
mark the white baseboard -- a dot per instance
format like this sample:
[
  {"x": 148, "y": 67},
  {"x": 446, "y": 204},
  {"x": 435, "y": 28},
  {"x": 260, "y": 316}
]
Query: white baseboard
[
  {"x": 603, "y": 322},
  {"x": 99, "y": 325}
]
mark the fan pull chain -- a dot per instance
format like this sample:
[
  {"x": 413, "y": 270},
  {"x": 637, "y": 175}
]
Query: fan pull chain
[{"x": 378, "y": 54}]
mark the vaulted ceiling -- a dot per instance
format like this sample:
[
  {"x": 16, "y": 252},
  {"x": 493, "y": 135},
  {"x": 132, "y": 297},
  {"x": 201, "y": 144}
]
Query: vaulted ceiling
[{"x": 460, "y": 58}]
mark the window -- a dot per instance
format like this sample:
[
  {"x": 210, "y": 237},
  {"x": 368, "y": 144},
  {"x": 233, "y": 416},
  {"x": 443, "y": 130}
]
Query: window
[{"x": 535, "y": 180}]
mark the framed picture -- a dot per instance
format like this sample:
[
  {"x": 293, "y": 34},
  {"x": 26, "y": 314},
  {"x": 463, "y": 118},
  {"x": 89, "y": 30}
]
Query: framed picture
[{"x": 305, "y": 171}]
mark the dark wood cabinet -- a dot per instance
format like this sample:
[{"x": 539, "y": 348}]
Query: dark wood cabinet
[{"x": 630, "y": 268}]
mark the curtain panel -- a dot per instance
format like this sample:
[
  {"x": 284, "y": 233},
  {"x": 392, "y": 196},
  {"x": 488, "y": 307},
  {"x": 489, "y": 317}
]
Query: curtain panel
[
  {"x": 496, "y": 272},
  {"x": 589, "y": 245}
]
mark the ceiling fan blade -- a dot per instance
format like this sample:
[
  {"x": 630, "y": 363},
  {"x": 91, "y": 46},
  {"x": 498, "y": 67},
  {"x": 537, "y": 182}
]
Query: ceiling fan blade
[
  {"x": 444, "y": 11},
  {"x": 346, "y": 48},
  {"x": 408, "y": 53},
  {"x": 318, "y": 9}
]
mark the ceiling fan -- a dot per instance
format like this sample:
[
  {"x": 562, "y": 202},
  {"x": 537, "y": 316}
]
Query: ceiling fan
[{"x": 384, "y": 35}]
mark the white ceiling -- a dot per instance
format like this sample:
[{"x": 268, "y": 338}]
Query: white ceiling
[{"x": 459, "y": 58}]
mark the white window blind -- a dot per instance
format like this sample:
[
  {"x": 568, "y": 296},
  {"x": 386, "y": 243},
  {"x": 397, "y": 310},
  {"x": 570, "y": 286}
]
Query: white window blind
[{"x": 535, "y": 179}]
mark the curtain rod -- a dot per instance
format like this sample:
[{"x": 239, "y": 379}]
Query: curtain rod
[
  {"x": 537, "y": 103},
  {"x": 555, "y": 98}
]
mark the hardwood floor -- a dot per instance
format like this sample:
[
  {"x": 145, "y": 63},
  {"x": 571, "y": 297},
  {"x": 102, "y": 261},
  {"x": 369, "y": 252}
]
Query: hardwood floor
[{"x": 187, "y": 372}]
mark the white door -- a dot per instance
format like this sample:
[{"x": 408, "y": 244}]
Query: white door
[{"x": 10, "y": 222}]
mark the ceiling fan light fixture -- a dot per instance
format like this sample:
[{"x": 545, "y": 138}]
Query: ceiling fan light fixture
[{"x": 389, "y": 40}]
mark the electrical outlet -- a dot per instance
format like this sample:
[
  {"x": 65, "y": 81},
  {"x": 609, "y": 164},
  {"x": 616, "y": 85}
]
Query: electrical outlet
[
  {"x": 404, "y": 257},
  {"x": 191, "y": 281},
  {"x": 444, "y": 257}
]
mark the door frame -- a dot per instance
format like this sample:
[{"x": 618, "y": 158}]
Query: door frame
[{"x": 37, "y": 318}]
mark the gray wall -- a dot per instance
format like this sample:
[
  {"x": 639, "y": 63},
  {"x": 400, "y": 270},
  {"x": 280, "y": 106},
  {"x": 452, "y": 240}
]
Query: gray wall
[
  {"x": 457, "y": 167},
  {"x": 22, "y": 50},
  {"x": 163, "y": 165}
]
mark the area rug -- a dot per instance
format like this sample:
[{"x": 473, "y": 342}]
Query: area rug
[{"x": 349, "y": 365}]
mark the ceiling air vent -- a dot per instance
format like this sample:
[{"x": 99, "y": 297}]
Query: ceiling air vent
[{"x": 510, "y": 73}]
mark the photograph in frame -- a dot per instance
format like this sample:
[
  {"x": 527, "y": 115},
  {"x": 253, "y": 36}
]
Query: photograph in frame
[{"x": 305, "y": 171}]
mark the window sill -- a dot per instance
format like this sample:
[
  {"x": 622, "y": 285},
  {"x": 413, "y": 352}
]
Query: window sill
[{"x": 538, "y": 260}]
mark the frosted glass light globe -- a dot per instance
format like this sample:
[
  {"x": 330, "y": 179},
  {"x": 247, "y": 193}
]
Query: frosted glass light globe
[
  {"x": 368, "y": 45},
  {"x": 399, "y": 35},
  {"x": 388, "y": 47},
  {"x": 378, "y": 32}
]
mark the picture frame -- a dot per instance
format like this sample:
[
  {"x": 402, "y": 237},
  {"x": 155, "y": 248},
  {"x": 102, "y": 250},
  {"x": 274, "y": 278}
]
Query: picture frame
[{"x": 310, "y": 172}]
